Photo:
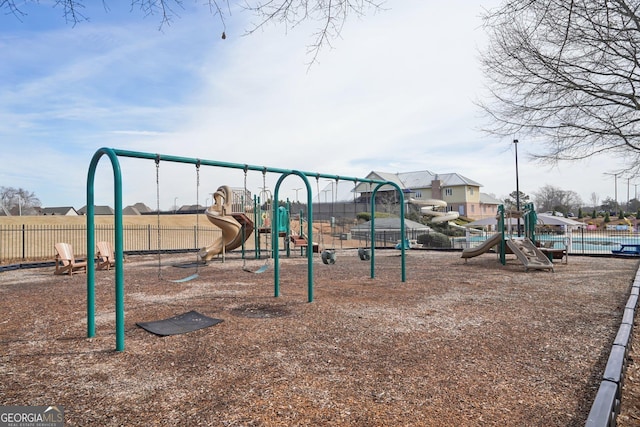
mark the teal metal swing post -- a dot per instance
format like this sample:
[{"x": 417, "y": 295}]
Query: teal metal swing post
[{"x": 113, "y": 155}]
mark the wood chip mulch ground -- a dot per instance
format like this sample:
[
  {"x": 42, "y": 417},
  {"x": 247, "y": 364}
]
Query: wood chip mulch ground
[{"x": 457, "y": 344}]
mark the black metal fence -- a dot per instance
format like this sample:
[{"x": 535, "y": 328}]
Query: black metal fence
[
  {"x": 388, "y": 238},
  {"x": 20, "y": 243}
]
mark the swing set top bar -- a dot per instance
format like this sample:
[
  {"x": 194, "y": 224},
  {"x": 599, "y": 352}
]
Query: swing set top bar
[
  {"x": 204, "y": 162},
  {"x": 113, "y": 154}
]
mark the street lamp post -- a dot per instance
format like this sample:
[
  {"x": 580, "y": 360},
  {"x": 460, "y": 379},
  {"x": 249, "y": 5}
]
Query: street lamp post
[
  {"x": 332, "y": 195},
  {"x": 296, "y": 190},
  {"x": 175, "y": 205},
  {"x": 515, "y": 143},
  {"x": 628, "y": 199},
  {"x": 325, "y": 195},
  {"x": 615, "y": 188}
]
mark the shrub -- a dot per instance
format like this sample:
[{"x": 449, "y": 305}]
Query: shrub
[
  {"x": 363, "y": 216},
  {"x": 434, "y": 239}
]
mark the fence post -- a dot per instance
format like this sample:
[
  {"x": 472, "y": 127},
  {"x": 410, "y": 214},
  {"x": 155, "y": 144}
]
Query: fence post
[
  {"x": 149, "y": 237},
  {"x": 23, "y": 243}
]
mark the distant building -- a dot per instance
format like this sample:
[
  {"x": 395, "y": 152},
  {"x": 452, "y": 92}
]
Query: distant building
[
  {"x": 137, "y": 209},
  {"x": 97, "y": 210},
  {"x": 62, "y": 211},
  {"x": 190, "y": 209},
  {"x": 130, "y": 210},
  {"x": 142, "y": 208},
  {"x": 461, "y": 193}
]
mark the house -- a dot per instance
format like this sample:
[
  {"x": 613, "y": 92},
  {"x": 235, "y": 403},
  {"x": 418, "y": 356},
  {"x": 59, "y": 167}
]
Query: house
[
  {"x": 190, "y": 209},
  {"x": 461, "y": 193},
  {"x": 142, "y": 208},
  {"x": 25, "y": 211},
  {"x": 63, "y": 211},
  {"x": 130, "y": 210},
  {"x": 97, "y": 210},
  {"x": 488, "y": 206}
]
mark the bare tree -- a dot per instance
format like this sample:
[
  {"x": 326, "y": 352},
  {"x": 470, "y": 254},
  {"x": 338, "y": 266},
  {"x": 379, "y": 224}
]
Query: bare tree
[
  {"x": 20, "y": 198},
  {"x": 566, "y": 73},
  {"x": 331, "y": 15},
  {"x": 551, "y": 198}
]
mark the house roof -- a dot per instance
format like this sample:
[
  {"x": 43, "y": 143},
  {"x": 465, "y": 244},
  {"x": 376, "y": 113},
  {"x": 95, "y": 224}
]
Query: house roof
[
  {"x": 417, "y": 179},
  {"x": 191, "y": 208},
  {"x": 25, "y": 211},
  {"x": 97, "y": 210},
  {"x": 141, "y": 207},
  {"x": 380, "y": 176},
  {"x": 423, "y": 179},
  {"x": 130, "y": 210},
  {"x": 59, "y": 210},
  {"x": 487, "y": 199}
]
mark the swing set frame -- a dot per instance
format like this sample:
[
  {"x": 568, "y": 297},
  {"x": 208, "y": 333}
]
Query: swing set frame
[{"x": 113, "y": 155}]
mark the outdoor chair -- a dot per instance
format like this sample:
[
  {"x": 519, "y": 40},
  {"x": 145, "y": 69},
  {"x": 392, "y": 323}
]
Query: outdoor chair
[
  {"x": 104, "y": 253},
  {"x": 65, "y": 260}
]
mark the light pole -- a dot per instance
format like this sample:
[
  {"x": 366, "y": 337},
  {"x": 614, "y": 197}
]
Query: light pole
[
  {"x": 325, "y": 195},
  {"x": 615, "y": 187},
  {"x": 515, "y": 143},
  {"x": 628, "y": 199},
  {"x": 175, "y": 205},
  {"x": 332, "y": 195},
  {"x": 296, "y": 190}
]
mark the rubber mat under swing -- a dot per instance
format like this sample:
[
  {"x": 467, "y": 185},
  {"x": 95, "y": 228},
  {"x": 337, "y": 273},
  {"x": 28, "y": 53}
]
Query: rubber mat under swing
[{"x": 180, "y": 324}]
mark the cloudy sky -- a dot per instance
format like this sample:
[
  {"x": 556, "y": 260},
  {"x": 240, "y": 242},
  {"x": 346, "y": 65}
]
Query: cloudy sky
[{"x": 394, "y": 94}]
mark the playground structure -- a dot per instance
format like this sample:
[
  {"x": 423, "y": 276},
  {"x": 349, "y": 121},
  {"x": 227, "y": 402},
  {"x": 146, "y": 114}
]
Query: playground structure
[
  {"x": 523, "y": 247},
  {"x": 113, "y": 155},
  {"x": 430, "y": 208},
  {"x": 235, "y": 225}
]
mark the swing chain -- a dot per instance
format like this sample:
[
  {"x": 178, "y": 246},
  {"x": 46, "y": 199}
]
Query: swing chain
[
  {"x": 197, "y": 237},
  {"x": 157, "y": 160}
]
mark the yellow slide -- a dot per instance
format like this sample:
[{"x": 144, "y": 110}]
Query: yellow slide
[
  {"x": 482, "y": 248},
  {"x": 230, "y": 223}
]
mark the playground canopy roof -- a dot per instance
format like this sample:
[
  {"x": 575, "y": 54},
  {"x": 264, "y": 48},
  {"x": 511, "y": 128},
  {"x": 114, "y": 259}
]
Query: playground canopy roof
[{"x": 558, "y": 220}]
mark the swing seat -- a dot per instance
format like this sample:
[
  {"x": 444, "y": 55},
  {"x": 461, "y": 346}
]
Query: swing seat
[
  {"x": 364, "y": 254},
  {"x": 186, "y": 279},
  {"x": 258, "y": 271},
  {"x": 329, "y": 256}
]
